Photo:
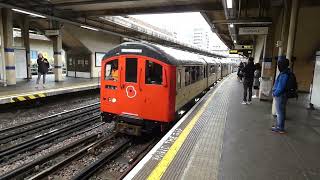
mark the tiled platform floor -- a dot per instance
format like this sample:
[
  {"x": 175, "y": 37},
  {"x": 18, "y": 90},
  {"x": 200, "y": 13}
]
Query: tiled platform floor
[{"x": 234, "y": 141}]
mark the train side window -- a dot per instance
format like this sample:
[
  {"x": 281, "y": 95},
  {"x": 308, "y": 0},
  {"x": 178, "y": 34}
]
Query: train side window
[
  {"x": 153, "y": 73},
  {"x": 187, "y": 76},
  {"x": 111, "y": 70},
  {"x": 179, "y": 79},
  {"x": 131, "y": 69}
]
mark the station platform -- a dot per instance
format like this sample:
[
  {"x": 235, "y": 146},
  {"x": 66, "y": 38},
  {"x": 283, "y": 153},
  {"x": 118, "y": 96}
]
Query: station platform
[
  {"x": 220, "y": 138},
  {"x": 27, "y": 89}
]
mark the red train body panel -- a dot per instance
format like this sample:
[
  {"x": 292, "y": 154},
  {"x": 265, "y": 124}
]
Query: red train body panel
[
  {"x": 145, "y": 84},
  {"x": 138, "y": 99}
]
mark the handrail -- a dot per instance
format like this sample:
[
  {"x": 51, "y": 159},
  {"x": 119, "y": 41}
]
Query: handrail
[
  {"x": 165, "y": 82},
  {"x": 120, "y": 79},
  {"x": 140, "y": 79}
]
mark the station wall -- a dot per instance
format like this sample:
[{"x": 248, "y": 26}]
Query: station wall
[
  {"x": 96, "y": 42},
  {"x": 307, "y": 42},
  {"x": 36, "y": 46}
]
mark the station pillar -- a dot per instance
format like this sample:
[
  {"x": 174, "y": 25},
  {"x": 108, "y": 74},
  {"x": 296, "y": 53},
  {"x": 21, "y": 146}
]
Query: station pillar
[
  {"x": 57, "y": 54},
  {"x": 292, "y": 29},
  {"x": 8, "y": 47},
  {"x": 26, "y": 41}
]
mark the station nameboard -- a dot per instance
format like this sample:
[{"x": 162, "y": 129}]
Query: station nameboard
[
  {"x": 243, "y": 46},
  {"x": 51, "y": 32},
  {"x": 253, "y": 30},
  {"x": 233, "y": 51}
]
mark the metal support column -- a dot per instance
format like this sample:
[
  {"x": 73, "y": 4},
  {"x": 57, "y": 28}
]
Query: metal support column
[
  {"x": 8, "y": 47},
  {"x": 292, "y": 28},
  {"x": 3, "y": 77},
  {"x": 280, "y": 50},
  {"x": 26, "y": 41},
  {"x": 57, "y": 54}
]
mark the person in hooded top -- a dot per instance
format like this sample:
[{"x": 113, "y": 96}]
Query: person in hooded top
[
  {"x": 239, "y": 73},
  {"x": 43, "y": 68},
  {"x": 248, "y": 74},
  {"x": 279, "y": 94}
]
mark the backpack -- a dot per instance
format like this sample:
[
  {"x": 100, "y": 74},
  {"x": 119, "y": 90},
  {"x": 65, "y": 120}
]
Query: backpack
[{"x": 292, "y": 86}]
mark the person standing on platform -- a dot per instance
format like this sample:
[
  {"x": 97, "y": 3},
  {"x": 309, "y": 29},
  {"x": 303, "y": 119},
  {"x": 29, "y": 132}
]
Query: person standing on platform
[
  {"x": 240, "y": 74},
  {"x": 280, "y": 95},
  {"x": 43, "y": 67},
  {"x": 256, "y": 80},
  {"x": 248, "y": 74}
]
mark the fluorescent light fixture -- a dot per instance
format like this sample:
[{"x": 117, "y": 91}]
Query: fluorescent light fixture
[
  {"x": 90, "y": 28},
  {"x": 29, "y": 13},
  {"x": 231, "y": 25},
  {"x": 229, "y": 3},
  {"x": 234, "y": 41}
]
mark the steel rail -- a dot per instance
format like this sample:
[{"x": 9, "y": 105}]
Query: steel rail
[
  {"x": 137, "y": 157},
  {"x": 3, "y": 131},
  {"x": 103, "y": 159},
  {"x": 29, "y": 166},
  {"x": 27, "y": 145},
  {"x": 74, "y": 156},
  {"x": 44, "y": 125}
]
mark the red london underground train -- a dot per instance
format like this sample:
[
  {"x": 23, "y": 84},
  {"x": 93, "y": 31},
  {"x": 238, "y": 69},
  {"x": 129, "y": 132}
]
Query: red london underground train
[{"x": 144, "y": 86}]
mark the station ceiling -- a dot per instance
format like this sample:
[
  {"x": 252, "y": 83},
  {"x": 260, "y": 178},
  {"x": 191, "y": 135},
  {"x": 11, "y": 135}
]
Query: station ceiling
[{"x": 245, "y": 13}]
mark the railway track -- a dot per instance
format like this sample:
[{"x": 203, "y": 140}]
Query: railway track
[
  {"x": 104, "y": 148},
  {"x": 46, "y": 130},
  {"x": 12, "y": 133}
]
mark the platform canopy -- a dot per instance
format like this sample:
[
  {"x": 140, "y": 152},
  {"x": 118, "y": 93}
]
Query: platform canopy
[
  {"x": 89, "y": 13},
  {"x": 241, "y": 20}
]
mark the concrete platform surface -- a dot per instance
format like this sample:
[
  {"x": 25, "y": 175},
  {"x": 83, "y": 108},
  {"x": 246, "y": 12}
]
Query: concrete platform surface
[
  {"x": 27, "y": 89},
  {"x": 222, "y": 139}
]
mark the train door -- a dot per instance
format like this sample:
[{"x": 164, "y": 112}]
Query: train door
[
  {"x": 130, "y": 87},
  {"x": 155, "y": 88}
]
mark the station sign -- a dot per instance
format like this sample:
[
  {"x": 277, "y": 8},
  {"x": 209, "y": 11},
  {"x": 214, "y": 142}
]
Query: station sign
[
  {"x": 243, "y": 46},
  {"x": 253, "y": 30},
  {"x": 51, "y": 32},
  {"x": 240, "y": 51},
  {"x": 233, "y": 51}
]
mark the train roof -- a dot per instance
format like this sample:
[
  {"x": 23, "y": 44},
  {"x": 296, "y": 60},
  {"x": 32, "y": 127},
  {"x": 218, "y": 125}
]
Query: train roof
[{"x": 165, "y": 54}]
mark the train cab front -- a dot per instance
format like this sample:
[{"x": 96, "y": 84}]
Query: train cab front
[{"x": 135, "y": 92}]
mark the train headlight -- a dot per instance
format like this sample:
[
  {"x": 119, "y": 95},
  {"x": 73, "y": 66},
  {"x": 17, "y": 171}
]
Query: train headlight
[{"x": 113, "y": 100}]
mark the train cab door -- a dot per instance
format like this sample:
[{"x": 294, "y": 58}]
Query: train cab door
[
  {"x": 130, "y": 95},
  {"x": 155, "y": 88}
]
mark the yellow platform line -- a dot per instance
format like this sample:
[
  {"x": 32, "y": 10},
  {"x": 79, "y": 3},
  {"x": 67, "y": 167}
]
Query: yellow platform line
[
  {"x": 32, "y": 97},
  {"x": 21, "y": 98},
  {"x": 163, "y": 165}
]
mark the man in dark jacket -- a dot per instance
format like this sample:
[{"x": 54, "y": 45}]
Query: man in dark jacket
[
  {"x": 280, "y": 96},
  {"x": 248, "y": 74},
  {"x": 43, "y": 66}
]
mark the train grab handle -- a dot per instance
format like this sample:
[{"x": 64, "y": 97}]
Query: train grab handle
[
  {"x": 120, "y": 79},
  {"x": 140, "y": 75},
  {"x": 165, "y": 83}
]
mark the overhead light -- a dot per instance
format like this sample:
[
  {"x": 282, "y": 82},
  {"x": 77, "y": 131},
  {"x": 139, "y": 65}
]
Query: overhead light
[
  {"x": 29, "y": 13},
  {"x": 229, "y": 4},
  {"x": 231, "y": 25},
  {"x": 90, "y": 28},
  {"x": 234, "y": 41}
]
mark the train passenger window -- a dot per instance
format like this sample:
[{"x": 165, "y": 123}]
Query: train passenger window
[
  {"x": 111, "y": 70},
  {"x": 153, "y": 73},
  {"x": 179, "y": 79},
  {"x": 131, "y": 69},
  {"x": 187, "y": 76}
]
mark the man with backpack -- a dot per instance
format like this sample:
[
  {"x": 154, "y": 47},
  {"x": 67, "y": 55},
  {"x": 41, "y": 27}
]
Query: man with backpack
[
  {"x": 248, "y": 74},
  {"x": 285, "y": 87}
]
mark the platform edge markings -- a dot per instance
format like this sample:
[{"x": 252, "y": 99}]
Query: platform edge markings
[
  {"x": 27, "y": 97},
  {"x": 139, "y": 167},
  {"x": 44, "y": 93},
  {"x": 210, "y": 142},
  {"x": 162, "y": 166}
]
